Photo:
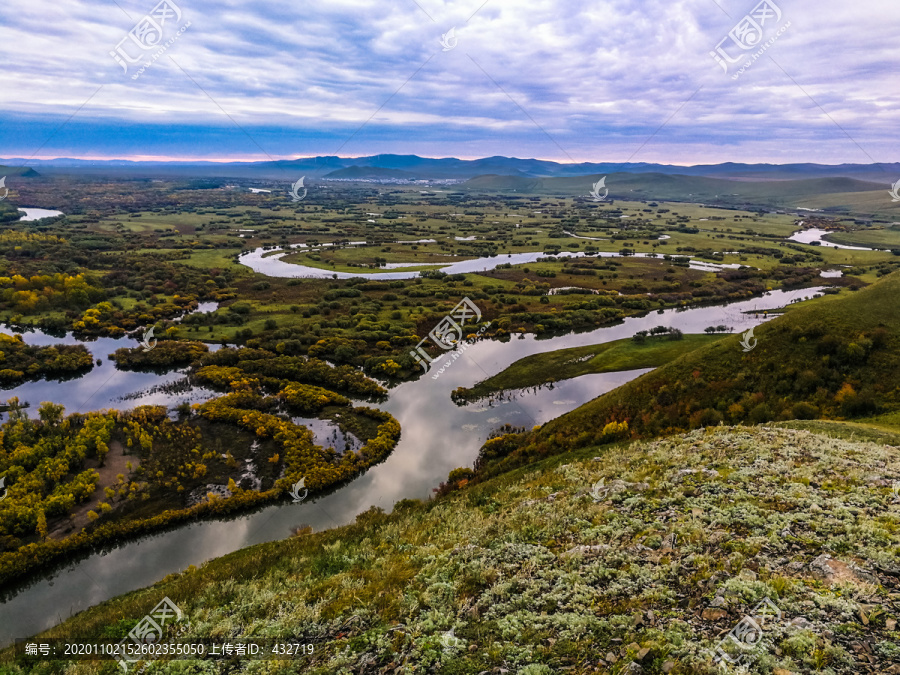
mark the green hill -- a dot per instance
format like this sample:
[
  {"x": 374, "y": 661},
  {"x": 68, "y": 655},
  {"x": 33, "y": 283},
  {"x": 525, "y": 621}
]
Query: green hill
[
  {"x": 368, "y": 173},
  {"x": 676, "y": 187},
  {"x": 624, "y": 559},
  {"x": 835, "y": 358}
]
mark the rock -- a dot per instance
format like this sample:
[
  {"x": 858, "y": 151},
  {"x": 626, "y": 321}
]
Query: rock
[
  {"x": 668, "y": 666},
  {"x": 748, "y": 575},
  {"x": 610, "y": 657},
  {"x": 597, "y": 459},
  {"x": 637, "y": 619},
  {"x": 795, "y": 567},
  {"x": 891, "y": 624},
  {"x": 801, "y": 622},
  {"x": 633, "y": 647},
  {"x": 831, "y": 571},
  {"x": 713, "y": 614},
  {"x": 717, "y": 601},
  {"x": 643, "y": 655},
  {"x": 862, "y": 616}
]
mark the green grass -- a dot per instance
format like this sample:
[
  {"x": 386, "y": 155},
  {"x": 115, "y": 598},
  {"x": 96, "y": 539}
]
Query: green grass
[
  {"x": 507, "y": 565},
  {"x": 564, "y": 364},
  {"x": 802, "y": 357}
]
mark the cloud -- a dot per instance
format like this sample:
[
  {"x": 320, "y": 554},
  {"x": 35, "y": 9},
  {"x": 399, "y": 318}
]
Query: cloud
[{"x": 611, "y": 80}]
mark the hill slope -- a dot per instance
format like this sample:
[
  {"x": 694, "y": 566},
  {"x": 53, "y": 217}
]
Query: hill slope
[
  {"x": 544, "y": 571},
  {"x": 23, "y": 171},
  {"x": 838, "y": 358},
  {"x": 675, "y": 187}
]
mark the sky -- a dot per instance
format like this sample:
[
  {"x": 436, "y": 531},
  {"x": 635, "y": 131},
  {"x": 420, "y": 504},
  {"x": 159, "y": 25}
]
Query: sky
[{"x": 571, "y": 81}]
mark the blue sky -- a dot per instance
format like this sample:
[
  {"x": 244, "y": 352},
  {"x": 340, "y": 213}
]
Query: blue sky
[{"x": 613, "y": 80}]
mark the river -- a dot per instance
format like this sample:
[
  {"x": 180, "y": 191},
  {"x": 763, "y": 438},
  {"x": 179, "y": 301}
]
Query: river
[
  {"x": 437, "y": 436},
  {"x": 269, "y": 262},
  {"x": 814, "y": 234}
]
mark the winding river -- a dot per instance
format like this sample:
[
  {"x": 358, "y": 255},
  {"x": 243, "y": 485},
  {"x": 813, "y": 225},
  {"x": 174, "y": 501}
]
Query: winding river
[
  {"x": 270, "y": 263},
  {"x": 437, "y": 437}
]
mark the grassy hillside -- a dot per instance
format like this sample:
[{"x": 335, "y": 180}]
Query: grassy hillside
[
  {"x": 622, "y": 559},
  {"x": 563, "y": 364},
  {"x": 836, "y": 358},
  {"x": 676, "y": 187}
]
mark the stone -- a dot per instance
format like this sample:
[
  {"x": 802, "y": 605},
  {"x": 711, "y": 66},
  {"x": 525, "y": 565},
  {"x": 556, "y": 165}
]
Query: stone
[
  {"x": 643, "y": 655},
  {"x": 801, "y": 622},
  {"x": 668, "y": 667},
  {"x": 831, "y": 571},
  {"x": 713, "y": 614}
]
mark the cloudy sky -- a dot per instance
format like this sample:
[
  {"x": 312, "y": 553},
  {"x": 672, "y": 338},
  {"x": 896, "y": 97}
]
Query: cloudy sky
[{"x": 606, "y": 80}]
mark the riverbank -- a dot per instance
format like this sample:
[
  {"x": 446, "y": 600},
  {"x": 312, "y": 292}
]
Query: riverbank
[
  {"x": 609, "y": 556},
  {"x": 563, "y": 364}
]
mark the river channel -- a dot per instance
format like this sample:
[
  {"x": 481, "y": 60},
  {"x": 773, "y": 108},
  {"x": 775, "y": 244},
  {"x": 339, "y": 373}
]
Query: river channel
[{"x": 437, "y": 436}]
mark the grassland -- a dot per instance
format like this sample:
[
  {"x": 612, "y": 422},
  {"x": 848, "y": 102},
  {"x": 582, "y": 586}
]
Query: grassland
[
  {"x": 564, "y": 364},
  {"x": 613, "y": 559},
  {"x": 836, "y": 359}
]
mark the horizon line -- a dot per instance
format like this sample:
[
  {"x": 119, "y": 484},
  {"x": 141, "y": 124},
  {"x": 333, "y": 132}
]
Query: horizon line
[{"x": 255, "y": 159}]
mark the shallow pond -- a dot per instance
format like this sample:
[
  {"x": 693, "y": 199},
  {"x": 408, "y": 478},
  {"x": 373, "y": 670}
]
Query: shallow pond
[{"x": 37, "y": 214}]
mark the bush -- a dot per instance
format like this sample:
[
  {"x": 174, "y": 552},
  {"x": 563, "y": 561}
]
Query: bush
[
  {"x": 804, "y": 411},
  {"x": 760, "y": 414}
]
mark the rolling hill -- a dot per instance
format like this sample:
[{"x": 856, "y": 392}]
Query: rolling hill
[
  {"x": 833, "y": 359},
  {"x": 676, "y": 187},
  {"x": 22, "y": 171},
  {"x": 628, "y": 558},
  {"x": 452, "y": 167}
]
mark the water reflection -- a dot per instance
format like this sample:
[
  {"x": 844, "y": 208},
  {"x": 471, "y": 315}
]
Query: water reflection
[{"x": 437, "y": 436}]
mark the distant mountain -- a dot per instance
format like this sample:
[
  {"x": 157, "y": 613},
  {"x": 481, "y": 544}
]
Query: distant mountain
[
  {"x": 23, "y": 171},
  {"x": 451, "y": 167},
  {"x": 368, "y": 172}
]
